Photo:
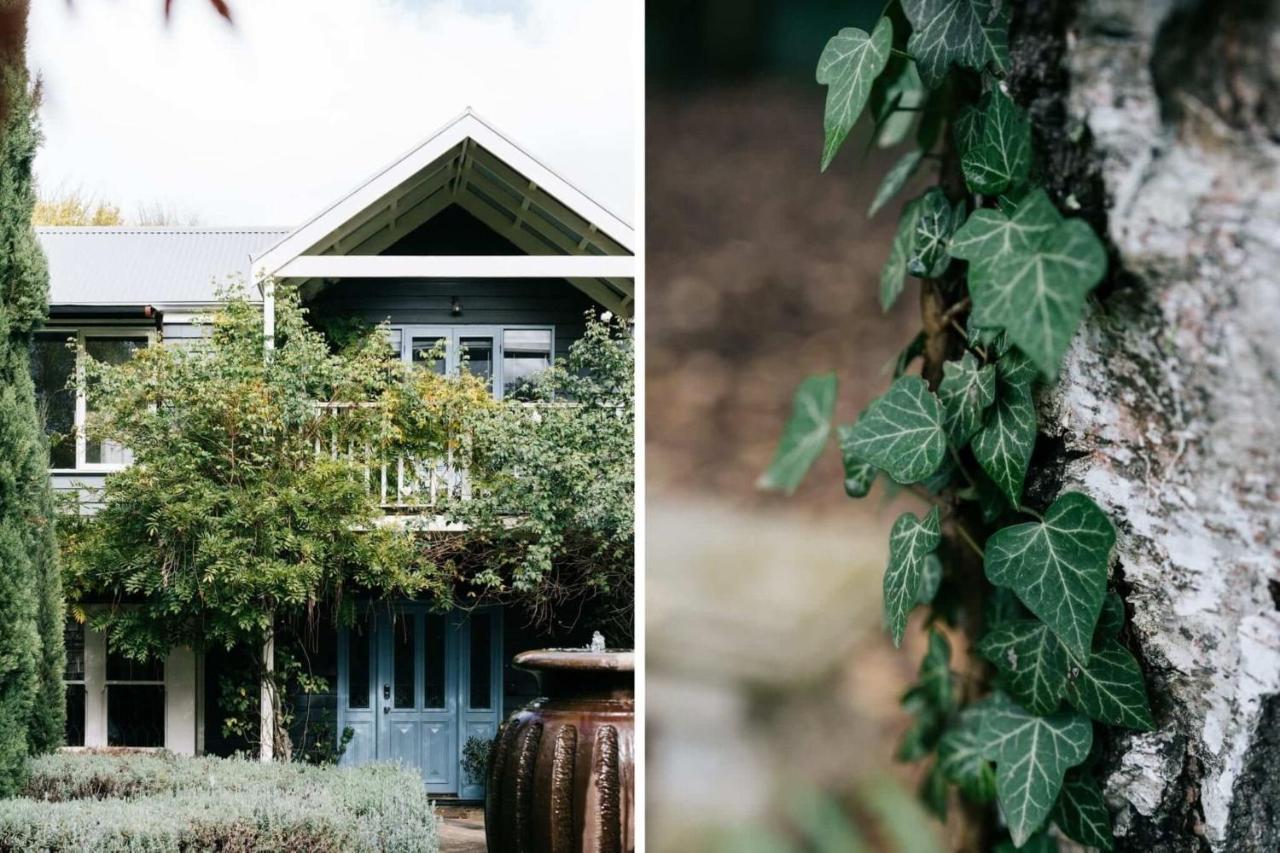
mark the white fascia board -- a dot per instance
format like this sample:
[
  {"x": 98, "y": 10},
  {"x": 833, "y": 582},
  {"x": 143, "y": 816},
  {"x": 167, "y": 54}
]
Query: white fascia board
[
  {"x": 467, "y": 125},
  {"x": 459, "y": 266}
]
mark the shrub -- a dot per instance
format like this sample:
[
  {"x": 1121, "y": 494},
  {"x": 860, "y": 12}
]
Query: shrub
[{"x": 157, "y": 802}]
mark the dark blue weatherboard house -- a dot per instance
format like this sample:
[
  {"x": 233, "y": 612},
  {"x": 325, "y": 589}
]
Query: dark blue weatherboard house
[{"x": 465, "y": 241}]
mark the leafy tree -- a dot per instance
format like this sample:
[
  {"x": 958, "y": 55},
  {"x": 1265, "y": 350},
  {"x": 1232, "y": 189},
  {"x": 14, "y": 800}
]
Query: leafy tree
[
  {"x": 562, "y": 467},
  {"x": 31, "y": 611},
  {"x": 74, "y": 208}
]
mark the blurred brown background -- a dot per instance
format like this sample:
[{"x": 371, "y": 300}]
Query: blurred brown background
[{"x": 768, "y": 670}]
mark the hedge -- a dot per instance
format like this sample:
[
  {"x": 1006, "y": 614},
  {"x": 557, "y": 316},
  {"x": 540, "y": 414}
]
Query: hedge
[{"x": 158, "y": 802}]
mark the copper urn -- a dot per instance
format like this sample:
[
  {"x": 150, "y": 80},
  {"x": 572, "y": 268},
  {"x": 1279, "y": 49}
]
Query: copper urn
[{"x": 562, "y": 769}]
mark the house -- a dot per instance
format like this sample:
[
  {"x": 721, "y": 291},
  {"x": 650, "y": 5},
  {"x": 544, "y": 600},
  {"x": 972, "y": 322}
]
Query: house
[{"x": 466, "y": 242}]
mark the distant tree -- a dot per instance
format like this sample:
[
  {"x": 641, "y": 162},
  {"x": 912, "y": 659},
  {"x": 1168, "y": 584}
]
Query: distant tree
[{"x": 73, "y": 207}]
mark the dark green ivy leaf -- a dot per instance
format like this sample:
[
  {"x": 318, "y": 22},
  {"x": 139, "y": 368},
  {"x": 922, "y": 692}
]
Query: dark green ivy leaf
[
  {"x": 933, "y": 792},
  {"x": 988, "y": 236},
  {"x": 805, "y": 435},
  {"x": 851, "y": 60},
  {"x": 910, "y": 541},
  {"x": 929, "y": 256},
  {"x": 1032, "y": 661},
  {"x": 858, "y": 475},
  {"x": 1001, "y": 158},
  {"x": 1110, "y": 689},
  {"x": 1004, "y": 442},
  {"x": 966, "y": 130},
  {"x": 1057, "y": 567},
  {"x": 894, "y": 273},
  {"x": 895, "y": 179},
  {"x": 901, "y": 432},
  {"x": 970, "y": 33},
  {"x": 935, "y": 670},
  {"x": 960, "y": 758},
  {"x": 930, "y": 580},
  {"x": 1041, "y": 842},
  {"x": 1112, "y": 619},
  {"x": 1081, "y": 812},
  {"x": 966, "y": 391},
  {"x": 1032, "y": 754}
]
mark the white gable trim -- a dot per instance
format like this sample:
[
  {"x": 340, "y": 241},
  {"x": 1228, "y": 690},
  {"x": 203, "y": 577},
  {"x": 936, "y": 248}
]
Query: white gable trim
[
  {"x": 466, "y": 126},
  {"x": 459, "y": 266}
]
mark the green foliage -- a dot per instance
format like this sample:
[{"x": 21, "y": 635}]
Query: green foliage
[
  {"x": 901, "y": 432},
  {"x": 910, "y": 543},
  {"x": 31, "y": 609},
  {"x": 850, "y": 61},
  {"x": 1057, "y": 567},
  {"x": 963, "y": 442},
  {"x": 895, "y": 179},
  {"x": 805, "y": 435},
  {"x": 475, "y": 759},
  {"x": 970, "y": 33},
  {"x": 553, "y": 485},
  {"x": 158, "y": 802}
]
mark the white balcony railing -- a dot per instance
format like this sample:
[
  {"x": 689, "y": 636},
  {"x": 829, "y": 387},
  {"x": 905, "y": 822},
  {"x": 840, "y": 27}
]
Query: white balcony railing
[{"x": 401, "y": 480}]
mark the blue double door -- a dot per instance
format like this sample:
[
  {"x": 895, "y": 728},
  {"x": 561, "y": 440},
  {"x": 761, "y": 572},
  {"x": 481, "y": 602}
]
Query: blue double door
[{"x": 414, "y": 686}]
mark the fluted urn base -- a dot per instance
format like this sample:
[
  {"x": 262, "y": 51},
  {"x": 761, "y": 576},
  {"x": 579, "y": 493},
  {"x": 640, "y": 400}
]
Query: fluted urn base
[{"x": 562, "y": 769}]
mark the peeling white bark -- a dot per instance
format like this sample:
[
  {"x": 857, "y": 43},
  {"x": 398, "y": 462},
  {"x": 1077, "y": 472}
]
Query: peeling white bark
[{"x": 1169, "y": 409}]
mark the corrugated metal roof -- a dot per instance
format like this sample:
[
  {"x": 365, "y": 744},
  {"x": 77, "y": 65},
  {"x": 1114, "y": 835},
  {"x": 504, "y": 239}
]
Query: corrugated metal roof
[{"x": 135, "y": 265}]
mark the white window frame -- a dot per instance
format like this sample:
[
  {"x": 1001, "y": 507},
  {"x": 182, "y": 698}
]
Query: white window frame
[
  {"x": 108, "y": 683},
  {"x": 452, "y": 334},
  {"x": 81, "y": 335}
]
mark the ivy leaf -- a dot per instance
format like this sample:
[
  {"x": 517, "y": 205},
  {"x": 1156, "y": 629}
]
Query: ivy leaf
[
  {"x": 1041, "y": 842},
  {"x": 966, "y": 129},
  {"x": 971, "y": 33},
  {"x": 1016, "y": 370},
  {"x": 1037, "y": 296},
  {"x": 961, "y": 761},
  {"x": 910, "y": 541},
  {"x": 929, "y": 257},
  {"x": 901, "y": 432},
  {"x": 966, "y": 391},
  {"x": 930, "y": 580},
  {"x": 1004, "y": 443},
  {"x": 851, "y": 60},
  {"x": 935, "y": 668},
  {"x": 1110, "y": 688},
  {"x": 988, "y": 235},
  {"x": 858, "y": 475},
  {"x": 1002, "y": 606},
  {"x": 1032, "y": 661},
  {"x": 1111, "y": 621},
  {"x": 1057, "y": 567},
  {"x": 897, "y": 95},
  {"x": 1001, "y": 157},
  {"x": 1081, "y": 812},
  {"x": 933, "y": 793},
  {"x": 894, "y": 273},
  {"x": 804, "y": 436},
  {"x": 895, "y": 179},
  {"x": 1032, "y": 754}
]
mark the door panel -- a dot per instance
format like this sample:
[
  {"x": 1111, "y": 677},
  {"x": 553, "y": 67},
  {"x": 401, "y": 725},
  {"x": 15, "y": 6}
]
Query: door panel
[{"x": 415, "y": 685}]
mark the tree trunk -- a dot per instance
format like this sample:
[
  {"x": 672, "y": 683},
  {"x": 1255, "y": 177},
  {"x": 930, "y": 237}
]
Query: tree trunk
[{"x": 1168, "y": 410}]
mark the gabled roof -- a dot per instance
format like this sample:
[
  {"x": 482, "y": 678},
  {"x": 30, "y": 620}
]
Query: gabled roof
[
  {"x": 473, "y": 165},
  {"x": 154, "y": 266}
]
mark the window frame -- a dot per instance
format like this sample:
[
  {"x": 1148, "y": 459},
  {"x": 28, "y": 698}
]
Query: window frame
[
  {"x": 108, "y": 683},
  {"x": 453, "y": 332},
  {"x": 82, "y": 334}
]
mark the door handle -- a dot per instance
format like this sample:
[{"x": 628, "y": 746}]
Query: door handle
[{"x": 386, "y": 709}]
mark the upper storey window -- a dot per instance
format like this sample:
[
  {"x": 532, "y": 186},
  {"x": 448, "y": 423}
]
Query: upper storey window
[
  {"x": 56, "y": 356},
  {"x": 507, "y": 358}
]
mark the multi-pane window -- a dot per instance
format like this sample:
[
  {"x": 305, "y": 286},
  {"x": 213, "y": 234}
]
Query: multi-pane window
[
  {"x": 73, "y": 677},
  {"x": 135, "y": 701},
  {"x": 65, "y": 411},
  {"x": 508, "y": 359}
]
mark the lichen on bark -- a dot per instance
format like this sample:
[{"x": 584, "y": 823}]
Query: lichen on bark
[{"x": 1168, "y": 409}]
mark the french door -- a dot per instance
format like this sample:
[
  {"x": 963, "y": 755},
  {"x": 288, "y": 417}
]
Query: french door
[{"x": 414, "y": 685}]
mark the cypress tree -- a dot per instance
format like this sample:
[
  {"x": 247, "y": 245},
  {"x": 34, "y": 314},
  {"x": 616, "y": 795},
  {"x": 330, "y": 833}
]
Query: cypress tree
[{"x": 32, "y": 706}]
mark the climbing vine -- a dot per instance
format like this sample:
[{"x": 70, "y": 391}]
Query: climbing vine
[{"x": 1004, "y": 276}]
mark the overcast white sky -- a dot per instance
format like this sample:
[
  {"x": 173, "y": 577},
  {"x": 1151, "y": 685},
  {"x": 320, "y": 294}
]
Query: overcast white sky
[{"x": 268, "y": 121}]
